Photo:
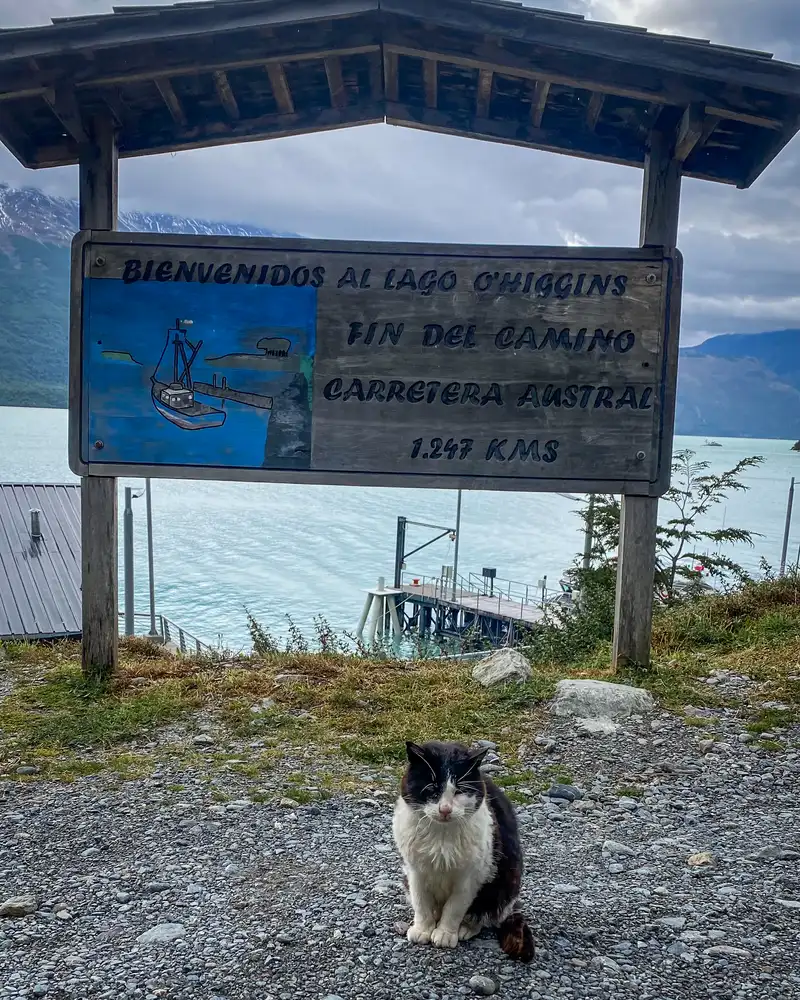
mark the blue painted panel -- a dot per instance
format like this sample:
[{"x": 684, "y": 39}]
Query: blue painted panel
[{"x": 247, "y": 346}]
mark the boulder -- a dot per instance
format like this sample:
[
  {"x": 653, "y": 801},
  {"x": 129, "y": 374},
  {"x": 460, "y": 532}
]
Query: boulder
[
  {"x": 19, "y": 906},
  {"x": 162, "y": 934},
  {"x": 506, "y": 666},
  {"x": 583, "y": 699}
]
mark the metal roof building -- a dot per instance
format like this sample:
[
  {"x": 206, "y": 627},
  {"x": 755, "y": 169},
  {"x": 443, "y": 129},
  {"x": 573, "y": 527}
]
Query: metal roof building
[{"x": 40, "y": 563}]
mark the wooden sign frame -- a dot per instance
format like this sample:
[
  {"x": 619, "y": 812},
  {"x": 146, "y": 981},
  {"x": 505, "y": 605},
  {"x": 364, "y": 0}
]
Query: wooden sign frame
[{"x": 544, "y": 358}]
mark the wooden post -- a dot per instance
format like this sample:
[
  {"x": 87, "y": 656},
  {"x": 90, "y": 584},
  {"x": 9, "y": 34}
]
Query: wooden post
[
  {"x": 98, "y": 210},
  {"x": 633, "y": 613}
]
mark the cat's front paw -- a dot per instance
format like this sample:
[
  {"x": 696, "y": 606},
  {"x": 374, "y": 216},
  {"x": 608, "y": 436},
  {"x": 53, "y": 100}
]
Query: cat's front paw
[
  {"x": 419, "y": 933},
  {"x": 443, "y": 937}
]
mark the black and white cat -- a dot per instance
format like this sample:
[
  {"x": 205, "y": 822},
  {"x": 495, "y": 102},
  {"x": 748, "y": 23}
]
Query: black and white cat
[{"x": 457, "y": 834}]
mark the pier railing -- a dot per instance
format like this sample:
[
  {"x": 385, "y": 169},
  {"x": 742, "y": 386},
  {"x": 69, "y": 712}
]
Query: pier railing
[
  {"x": 460, "y": 589},
  {"x": 168, "y": 634}
]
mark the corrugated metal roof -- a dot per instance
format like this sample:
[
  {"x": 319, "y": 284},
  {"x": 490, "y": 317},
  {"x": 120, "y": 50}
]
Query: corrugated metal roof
[{"x": 40, "y": 579}]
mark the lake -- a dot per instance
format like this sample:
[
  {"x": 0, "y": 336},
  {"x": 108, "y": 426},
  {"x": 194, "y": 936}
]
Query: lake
[{"x": 313, "y": 550}]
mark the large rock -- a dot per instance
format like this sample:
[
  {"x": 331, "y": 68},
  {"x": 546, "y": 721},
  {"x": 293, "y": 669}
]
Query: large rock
[
  {"x": 162, "y": 934},
  {"x": 503, "y": 667},
  {"x": 600, "y": 700},
  {"x": 19, "y": 906}
]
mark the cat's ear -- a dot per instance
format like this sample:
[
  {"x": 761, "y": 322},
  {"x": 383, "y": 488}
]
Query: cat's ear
[
  {"x": 415, "y": 752},
  {"x": 476, "y": 758}
]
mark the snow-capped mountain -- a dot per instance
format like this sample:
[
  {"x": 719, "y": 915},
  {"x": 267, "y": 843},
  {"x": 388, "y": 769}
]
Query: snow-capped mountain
[{"x": 35, "y": 215}]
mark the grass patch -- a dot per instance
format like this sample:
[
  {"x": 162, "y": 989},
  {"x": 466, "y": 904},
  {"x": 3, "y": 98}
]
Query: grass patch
[
  {"x": 630, "y": 791},
  {"x": 767, "y": 719}
]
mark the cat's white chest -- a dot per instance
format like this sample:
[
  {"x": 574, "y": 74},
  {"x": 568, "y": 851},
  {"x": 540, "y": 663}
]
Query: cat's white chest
[{"x": 446, "y": 850}]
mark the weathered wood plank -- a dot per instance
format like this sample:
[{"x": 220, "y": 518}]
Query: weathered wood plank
[
  {"x": 280, "y": 88},
  {"x": 541, "y": 92},
  {"x": 430, "y": 76},
  {"x": 99, "y": 655},
  {"x": 612, "y": 149},
  {"x": 690, "y": 131},
  {"x": 636, "y": 562},
  {"x": 64, "y": 105},
  {"x": 484, "y": 97},
  {"x": 391, "y": 75},
  {"x": 594, "y": 110},
  {"x": 634, "y": 82},
  {"x": 226, "y": 96},
  {"x": 333, "y": 70},
  {"x": 427, "y": 367},
  {"x": 171, "y": 100}
]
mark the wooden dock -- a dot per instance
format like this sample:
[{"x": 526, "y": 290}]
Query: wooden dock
[{"x": 433, "y": 607}]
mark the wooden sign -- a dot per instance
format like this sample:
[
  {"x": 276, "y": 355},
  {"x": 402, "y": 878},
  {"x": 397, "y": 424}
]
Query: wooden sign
[{"x": 373, "y": 364}]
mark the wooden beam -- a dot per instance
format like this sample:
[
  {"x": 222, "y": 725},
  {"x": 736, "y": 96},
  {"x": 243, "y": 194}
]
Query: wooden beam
[
  {"x": 280, "y": 88},
  {"x": 594, "y": 110},
  {"x": 376, "y": 87},
  {"x": 391, "y": 75},
  {"x": 484, "y": 98},
  {"x": 541, "y": 92},
  {"x": 99, "y": 652},
  {"x": 632, "y": 82},
  {"x": 226, "y": 96},
  {"x": 430, "y": 76},
  {"x": 769, "y": 147},
  {"x": 221, "y": 133},
  {"x": 13, "y": 136},
  {"x": 636, "y": 559},
  {"x": 611, "y": 149},
  {"x": 171, "y": 100},
  {"x": 690, "y": 131},
  {"x": 333, "y": 71},
  {"x": 64, "y": 105}
]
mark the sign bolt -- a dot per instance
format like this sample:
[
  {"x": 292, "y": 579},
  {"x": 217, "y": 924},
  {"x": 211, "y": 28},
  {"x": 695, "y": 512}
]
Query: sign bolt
[
  {"x": 99, "y": 445},
  {"x": 100, "y": 262},
  {"x": 651, "y": 278},
  {"x": 640, "y": 456}
]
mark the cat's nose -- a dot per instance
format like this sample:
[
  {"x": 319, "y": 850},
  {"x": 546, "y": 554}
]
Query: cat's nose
[{"x": 445, "y": 811}]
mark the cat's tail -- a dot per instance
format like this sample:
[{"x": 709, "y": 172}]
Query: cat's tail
[{"x": 516, "y": 938}]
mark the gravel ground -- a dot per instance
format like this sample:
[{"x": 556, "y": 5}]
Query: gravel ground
[{"x": 667, "y": 868}]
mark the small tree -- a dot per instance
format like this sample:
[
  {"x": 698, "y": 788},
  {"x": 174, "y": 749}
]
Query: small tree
[{"x": 682, "y": 545}]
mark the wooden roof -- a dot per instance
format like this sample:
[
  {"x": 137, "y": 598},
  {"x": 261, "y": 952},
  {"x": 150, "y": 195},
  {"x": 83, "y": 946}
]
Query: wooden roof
[{"x": 201, "y": 74}]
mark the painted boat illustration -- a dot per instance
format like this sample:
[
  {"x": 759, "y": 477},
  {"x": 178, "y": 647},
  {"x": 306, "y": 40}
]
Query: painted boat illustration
[{"x": 175, "y": 399}]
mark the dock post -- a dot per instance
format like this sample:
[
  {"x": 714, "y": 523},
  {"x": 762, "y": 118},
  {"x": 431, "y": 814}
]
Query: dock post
[
  {"x": 787, "y": 528},
  {"x": 98, "y": 178},
  {"x": 153, "y": 633},
  {"x": 636, "y": 560},
  {"x": 127, "y": 560}
]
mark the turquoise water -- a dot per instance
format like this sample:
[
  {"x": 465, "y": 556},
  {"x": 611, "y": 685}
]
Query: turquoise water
[{"x": 308, "y": 550}]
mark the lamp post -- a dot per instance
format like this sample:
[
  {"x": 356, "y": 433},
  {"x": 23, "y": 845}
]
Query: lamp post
[{"x": 128, "y": 562}]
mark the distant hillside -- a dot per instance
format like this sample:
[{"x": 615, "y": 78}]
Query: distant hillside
[
  {"x": 35, "y": 233},
  {"x": 739, "y": 385}
]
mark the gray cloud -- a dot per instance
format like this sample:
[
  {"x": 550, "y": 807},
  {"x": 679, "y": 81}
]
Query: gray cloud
[{"x": 742, "y": 248}]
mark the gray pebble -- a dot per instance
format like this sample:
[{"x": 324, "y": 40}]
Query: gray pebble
[{"x": 483, "y": 986}]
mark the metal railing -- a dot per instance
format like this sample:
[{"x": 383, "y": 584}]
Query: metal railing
[
  {"x": 168, "y": 633},
  {"x": 473, "y": 586}
]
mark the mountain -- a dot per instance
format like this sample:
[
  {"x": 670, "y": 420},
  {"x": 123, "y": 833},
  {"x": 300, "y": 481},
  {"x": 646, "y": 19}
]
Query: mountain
[
  {"x": 737, "y": 385},
  {"x": 35, "y": 234}
]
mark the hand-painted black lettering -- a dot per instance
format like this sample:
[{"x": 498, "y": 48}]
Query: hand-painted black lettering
[
  {"x": 427, "y": 282},
  {"x": 317, "y": 277},
  {"x": 525, "y": 451},
  {"x": 529, "y": 397},
  {"x": 620, "y": 282},
  {"x": 432, "y": 335},
  {"x": 164, "y": 271},
  {"x": 148, "y": 271},
  {"x": 604, "y": 397},
  {"x": 470, "y": 393},
  {"x": 644, "y": 402},
  {"x": 570, "y": 397},
  {"x": 563, "y": 286},
  {"x": 557, "y": 338},
  {"x": 580, "y": 337},
  {"x": 578, "y": 289},
  {"x": 301, "y": 277},
  {"x": 244, "y": 273},
  {"x": 355, "y": 389},
  {"x": 624, "y": 341},
  {"x": 586, "y": 395},
  {"x": 436, "y": 448},
  {"x": 281, "y": 275},
  {"x": 550, "y": 451},
  {"x": 483, "y": 282},
  {"x": 599, "y": 284},
  {"x": 510, "y": 282},
  {"x": 348, "y": 279},
  {"x": 377, "y": 390},
  {"x": 602, "y": 339},
  {"x": 504, "y": 338},
  {"x": 390, "y": 333},
  {"x": 364, "y": 283},
  {"x": 451, "y": 393},
  {"x": 223, "y": 273},
  {"x": 408, "y": 280},
  {"x": 466, "y": 447},
  {"x": 333, "y": 390},
  {"x": 356, "y": 333},
  {"x": 185, "y": 272},
  {"x": 495, "y": 450},
  {"x": 493, "y": 395},
  {"x": 132, "y": 271},
  {"x": 395, "y": 390},
  {"x": 415, "y": 393},
  {"x": 417, "y": 447},
  {"x": 433, "y": 390},
  {"x": 204, "y": 272},
  {"x": 389, "y": 282},
  {"x": 551, "y": 396},
  {"x": 544, "y": 286}
]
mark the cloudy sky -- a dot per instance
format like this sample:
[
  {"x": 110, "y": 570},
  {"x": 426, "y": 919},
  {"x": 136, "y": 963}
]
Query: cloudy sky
[{"x": 742, "y": 248}]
